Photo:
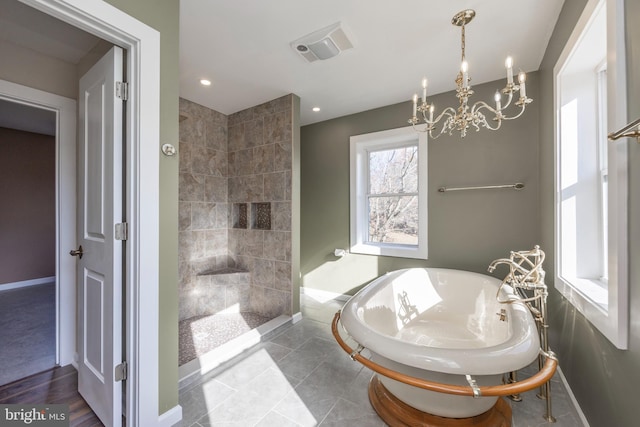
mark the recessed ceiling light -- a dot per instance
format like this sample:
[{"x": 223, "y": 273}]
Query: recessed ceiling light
[
  {"x": 205, "y": 82},
  {"x": 316, "y": 109}
]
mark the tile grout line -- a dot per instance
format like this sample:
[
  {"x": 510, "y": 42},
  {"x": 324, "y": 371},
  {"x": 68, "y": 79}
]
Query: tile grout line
[
  {"x": 329, "y": 411},
  {"x": 281, "y": 414},
  {"x": 324, "y": 359},
  {"x": 275, "y": 405}
]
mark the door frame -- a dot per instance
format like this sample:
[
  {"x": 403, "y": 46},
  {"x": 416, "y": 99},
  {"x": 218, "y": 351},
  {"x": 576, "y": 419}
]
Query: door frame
[
  {"x": 142, "y": 136},
  {"x": 65, "y": 188}
]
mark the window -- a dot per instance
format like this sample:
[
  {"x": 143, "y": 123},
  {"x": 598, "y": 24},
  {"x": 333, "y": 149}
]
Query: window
[
  {"x": 389, "y": 193},
  {"x": 591, "y": 203}
]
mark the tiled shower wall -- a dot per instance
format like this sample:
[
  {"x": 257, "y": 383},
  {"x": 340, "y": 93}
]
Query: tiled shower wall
[
  {"x": 228, "y": 164},
  {"x": 260, "y": 147},
  {"x": 203, "y": 208}
]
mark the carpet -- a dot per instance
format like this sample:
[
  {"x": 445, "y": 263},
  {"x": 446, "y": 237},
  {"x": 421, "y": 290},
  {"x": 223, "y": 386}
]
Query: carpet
[{"x": 27, "y": 331}]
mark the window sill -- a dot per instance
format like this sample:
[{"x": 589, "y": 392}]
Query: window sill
[
  {"x": 592, "y": 290},
  {"x": 597, "y": 305},
  {"x": 400, "y": 251}
]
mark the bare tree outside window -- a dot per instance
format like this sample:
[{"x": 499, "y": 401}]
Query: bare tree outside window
[{"x": 393, "y": 195}]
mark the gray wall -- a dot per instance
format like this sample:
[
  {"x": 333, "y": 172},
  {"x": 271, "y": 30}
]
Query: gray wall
[
  {"x": 164, "y": 16},
  {"x": 28, "y": 216},
  {"x": 36, "y": 70},
  {"x": 467, "y": 230},
  {"x": 601, "y": 377}
]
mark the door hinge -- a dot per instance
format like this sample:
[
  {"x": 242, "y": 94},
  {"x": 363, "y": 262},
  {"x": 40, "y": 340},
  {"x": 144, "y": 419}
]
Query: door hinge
[
  {"x": 120, "y": 371},
  {"x": 122, "y": 90},
  {"x": 122, "y": 231}
]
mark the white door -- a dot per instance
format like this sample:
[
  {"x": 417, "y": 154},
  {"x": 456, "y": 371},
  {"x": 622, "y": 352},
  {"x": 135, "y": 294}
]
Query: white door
[{"x": 99, "y": 209}]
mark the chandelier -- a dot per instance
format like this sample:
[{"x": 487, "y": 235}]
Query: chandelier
[{"x": 465, "y": 116}]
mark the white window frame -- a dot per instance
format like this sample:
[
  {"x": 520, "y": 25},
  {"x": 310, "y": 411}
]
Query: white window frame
[
  {"x": 612, "y": 320},
  {"x": 360, "y": 147},
  {"x": 603, "y": 170}
]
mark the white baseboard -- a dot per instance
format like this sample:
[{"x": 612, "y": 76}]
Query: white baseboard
[
  {"x": 573, "y": 398},
  {"x": 324, "y": 296},
  {"x": 170, "y": 418},
  {"x": 296, "y": 318},
  {"x": 25, "y": 283}
]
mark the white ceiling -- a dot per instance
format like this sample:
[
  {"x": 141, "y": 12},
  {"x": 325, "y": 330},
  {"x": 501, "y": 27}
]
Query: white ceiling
[
  {"x": 31, "y": 29},
  {"x": 242, "y": 46},
  {"x": 14, "y": 115}
]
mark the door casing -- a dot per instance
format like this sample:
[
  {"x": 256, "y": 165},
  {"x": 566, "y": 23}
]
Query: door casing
[
  {"x": 65, "y": 110},
  {"x": 142, "y": 135}
]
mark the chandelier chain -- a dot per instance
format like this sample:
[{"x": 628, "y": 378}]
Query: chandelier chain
[{"x": 463, "y": 42}]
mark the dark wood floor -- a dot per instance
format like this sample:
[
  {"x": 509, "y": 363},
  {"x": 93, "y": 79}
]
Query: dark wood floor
[{"x": 58, "y": 385}]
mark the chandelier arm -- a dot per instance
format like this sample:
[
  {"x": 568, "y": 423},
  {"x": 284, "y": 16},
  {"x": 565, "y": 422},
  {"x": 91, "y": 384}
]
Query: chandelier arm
[
  {"x": 479, "y": 118},
  {"x": 480, "y": 105},
  {"x": 442, "y": 131},
  {"x": 522, "y": 107},
  {"x": 446, "y": 126},
  {"x": 498, "y": 121},
  {"x": 434, "y": 137},
  {"x": 449, "y": 112},
  {"x": 509, "y": 99},
  {"x": 498, "y": 114},
  {"x": 439, "y": 117},
  {"x": 417, "y": 129}
]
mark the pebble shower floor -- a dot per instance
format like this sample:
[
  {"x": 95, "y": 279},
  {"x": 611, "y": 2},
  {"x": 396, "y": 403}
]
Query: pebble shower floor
[{"x": 201, "y": 334}]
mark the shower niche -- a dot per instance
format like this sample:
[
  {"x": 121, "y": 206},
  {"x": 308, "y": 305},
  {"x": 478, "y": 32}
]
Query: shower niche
[
  {"x": 239, "y": 215},
  {"x": 261, "y": 216},
  {"x": 258, "y": 219}
]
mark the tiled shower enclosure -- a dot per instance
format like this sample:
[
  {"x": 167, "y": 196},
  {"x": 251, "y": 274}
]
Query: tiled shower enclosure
[{"x": 235, "y": 210}]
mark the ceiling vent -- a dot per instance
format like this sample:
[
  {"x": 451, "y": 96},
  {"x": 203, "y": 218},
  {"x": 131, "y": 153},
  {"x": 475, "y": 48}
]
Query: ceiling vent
[{"x": 323, "y": 44}]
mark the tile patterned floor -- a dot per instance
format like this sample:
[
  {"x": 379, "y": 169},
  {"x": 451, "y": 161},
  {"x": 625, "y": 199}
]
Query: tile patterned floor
[{"x": 300, "y": 377}]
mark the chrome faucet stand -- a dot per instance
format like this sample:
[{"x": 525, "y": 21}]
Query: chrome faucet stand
[{"x": 526, "y": 275}]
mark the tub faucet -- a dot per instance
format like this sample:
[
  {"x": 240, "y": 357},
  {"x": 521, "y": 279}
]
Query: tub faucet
[
  {"x": 516, "y": 271},
  {"x": 525, "y": 268},
  {"x": 511, "y": 263}
]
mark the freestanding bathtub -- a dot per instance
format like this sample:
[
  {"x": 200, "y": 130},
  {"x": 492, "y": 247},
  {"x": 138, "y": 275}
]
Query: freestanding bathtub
[{"x": 441, "y": 325}]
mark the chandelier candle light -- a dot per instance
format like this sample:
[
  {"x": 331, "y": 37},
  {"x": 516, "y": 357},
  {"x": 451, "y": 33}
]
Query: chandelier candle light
[{"x": 464, "y": 116}]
